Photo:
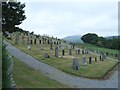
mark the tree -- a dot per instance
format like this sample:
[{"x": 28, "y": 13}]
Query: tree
[
  {"x": 12, "y": 15},
  {"x": 90, "y": 38}
]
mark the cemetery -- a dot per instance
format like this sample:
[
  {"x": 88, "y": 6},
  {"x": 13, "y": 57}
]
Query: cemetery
[
  {"x": 34, "y": 56},
  {"x": 61, "y": 55}
]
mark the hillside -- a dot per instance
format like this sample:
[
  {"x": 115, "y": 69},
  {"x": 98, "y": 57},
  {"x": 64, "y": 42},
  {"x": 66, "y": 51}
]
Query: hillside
[
  {"x": 74, "y": 38},
  {"x": 110, "y": 37}
]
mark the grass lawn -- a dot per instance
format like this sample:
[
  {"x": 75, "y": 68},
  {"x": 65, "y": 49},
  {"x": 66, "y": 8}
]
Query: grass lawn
[
  {"x": 26, "y": 77},
  {"x": 64, "y": 63}
]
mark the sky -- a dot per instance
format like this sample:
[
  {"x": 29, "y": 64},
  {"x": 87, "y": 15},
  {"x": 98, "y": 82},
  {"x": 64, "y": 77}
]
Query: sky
[{"x": 61, "y": 18}]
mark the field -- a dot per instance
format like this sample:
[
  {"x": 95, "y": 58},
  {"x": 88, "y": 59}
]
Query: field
[
  {"x": 26, "y": 77},
  {"x": 95, "y": 70}
]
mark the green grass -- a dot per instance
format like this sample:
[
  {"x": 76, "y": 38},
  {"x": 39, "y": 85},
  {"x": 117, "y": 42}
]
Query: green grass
[
  {"x": 26, "y": 77},
  {"x": 94, "y": 70}
]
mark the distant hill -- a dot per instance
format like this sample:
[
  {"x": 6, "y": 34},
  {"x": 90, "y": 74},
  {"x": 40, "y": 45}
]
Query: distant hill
[
  {"x": 111, "y": 37},
  {"x": 74, "y": 38}
]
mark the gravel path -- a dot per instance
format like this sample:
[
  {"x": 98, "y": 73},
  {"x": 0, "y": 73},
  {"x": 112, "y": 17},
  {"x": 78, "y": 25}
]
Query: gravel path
[{"x": 62, "y": 77}]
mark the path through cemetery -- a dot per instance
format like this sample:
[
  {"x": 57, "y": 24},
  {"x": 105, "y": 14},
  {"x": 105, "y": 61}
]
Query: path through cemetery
[{"x": 62, "y": 77}]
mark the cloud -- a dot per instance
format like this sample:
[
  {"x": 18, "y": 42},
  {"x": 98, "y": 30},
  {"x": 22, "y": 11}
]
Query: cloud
[{"x": 62, "y": 19}]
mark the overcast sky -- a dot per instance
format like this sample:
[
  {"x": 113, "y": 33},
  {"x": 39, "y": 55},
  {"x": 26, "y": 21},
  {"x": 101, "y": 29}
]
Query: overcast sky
[{"x": 71, "y": 17}]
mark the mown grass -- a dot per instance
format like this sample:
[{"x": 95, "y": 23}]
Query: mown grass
[
  {"x": 64, "y": 63},
  {"x": 26, "y": 77}
]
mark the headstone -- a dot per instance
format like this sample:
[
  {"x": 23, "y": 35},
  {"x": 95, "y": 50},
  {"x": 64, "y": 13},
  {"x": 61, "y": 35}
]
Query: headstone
[
  {"x": 35, "y": 41},
  {"x": 106, "y": 53},
  {"x": 116, "y": 55},
  {"x": 28, "y": 38},
  {"x": 39, "y": 41},
  {"x": 29, "y": 47},
  {"x": 48, "y": 41},
  {"x": 31, "y": 41},
  {"x": 56, "y": 51},
  {"x": 42, "y": 47},
  {"x": 76, "y": 65},
  {"x": 78, "y": 51},
  {"x": 63, "y": 52},
  {"x": 57, "y": 43},
  {"x": 95, "y": 59},
  {"x": 100, "y": 57},
  {"x": 103, "y": 56},
  {"x": 84, "y": 60},
  {"x": 23, "y": 39},
  {"x": 90, "y": 60},
  {"x": 83, "y": 52},
  {"x": 51, "y": 45},
  {"x": 17, "y": 38},
  {"x": 70, "y": 51},
  {"x": 47, "y": 55}
]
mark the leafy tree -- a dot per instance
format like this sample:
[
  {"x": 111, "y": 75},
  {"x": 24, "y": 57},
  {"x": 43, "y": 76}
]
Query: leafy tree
[
  {"x": 90, "y": 38},
  {"x": 12, "y": 15}
]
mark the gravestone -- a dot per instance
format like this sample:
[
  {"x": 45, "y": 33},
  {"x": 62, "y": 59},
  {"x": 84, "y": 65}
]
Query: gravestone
[
  {"x": 17, "y": 38},
  {"x": 78, "y": 50},
  {"x": 29, "y": 47},
  {"x": 48, "y": 41},
  {"x": 35, "y": 41},
  {"x": 31, "y": 41},
  {"x": 106, "y": 53},
  {"x": 83, "y": 51},
  {"x": 63, "y": 52},
  {"x": 42, "y": 47},
  {"x": 100, "y": 57},
  {"x": 56, "y": 51},
  {"x": 47, "y": 55},
  {"x": 70, "y": 51},
  {"x": 23, "y": 39},
  {"x": 90, "y": 60},
  {"x": 103, "y": 57},
  {"x": 76, "y": 65},
  {"x": 28, "y": 38},
  {"x": 116, "y": 55},
  {"x": 84, "y": 60},
  {"x": 95, "y": 59},
  {"x": 57, "y": 43},
  {"x": 40, "y": 41},
  {"x": 51, "y": 45}
]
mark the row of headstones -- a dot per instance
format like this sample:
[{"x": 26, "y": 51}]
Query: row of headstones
[
  {"x": 51, "y": 42},
  {"x": 117, "y": 55},
  {"x": 76, "y": 64},
  {"x": 63, "y": 52},
  {"x": 42, "y": 40}
]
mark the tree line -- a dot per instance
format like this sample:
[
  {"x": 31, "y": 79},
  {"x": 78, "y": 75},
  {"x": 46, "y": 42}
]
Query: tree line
[{"x": 94, "y": 39}]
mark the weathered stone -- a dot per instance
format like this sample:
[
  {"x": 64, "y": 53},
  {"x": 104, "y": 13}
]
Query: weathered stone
[{"x": 76, "y": 65}]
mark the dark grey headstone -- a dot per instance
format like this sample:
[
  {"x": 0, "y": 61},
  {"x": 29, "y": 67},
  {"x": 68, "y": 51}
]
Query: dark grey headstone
[
  {"x": 76, "y": 65},
  {"x": 95, "y": 59},
  {"x": 90, "y": 60},
  {"x": 35, "y": 41},
  {"x": 47, "y": 55},
  {"x": 56, "y": 51},
  {"x": 31, "y": 41},
  {"x": 70, "y": 51},
  {"x": 63, "y": 52}
]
